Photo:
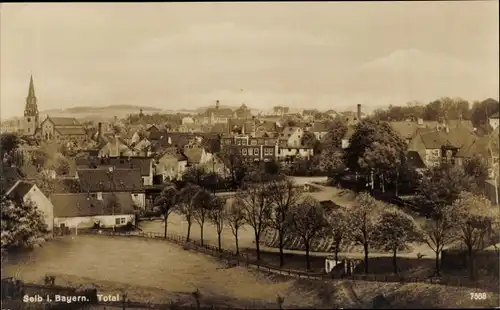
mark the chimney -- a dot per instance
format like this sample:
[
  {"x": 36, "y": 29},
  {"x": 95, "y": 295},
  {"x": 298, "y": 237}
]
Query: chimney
[
  {"x": 359, "y": 112},
  {"x": 99, "y": 130}
]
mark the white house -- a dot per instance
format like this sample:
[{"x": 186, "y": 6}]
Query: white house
[
  {"x": 171, "y": 165},
  {"x": 494, "y": 121},
  {"x": 28, "y": 192},
  {"x": 188, "y": 120},
  {"x": 88, "y": 210}
]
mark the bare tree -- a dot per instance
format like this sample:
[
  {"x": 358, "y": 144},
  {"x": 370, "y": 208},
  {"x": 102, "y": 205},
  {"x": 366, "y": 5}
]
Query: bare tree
[
  {"x": 203, "y": 202},
  {"x": 339, "y": 225},
  {"x": 256, "y": 203},
  {"x": 167, "y": 202},
  {"x": 307, "y": 220},
  {"x": 285, "y": 196},
  {"x": 235, "y": 216},
  {"x": 217, "y": 216},
  {"x": 362, "y": 222},
  {"x": 438, "y": 232},
  {"x": 187, "y": 205},
  {"x": 473, "y": 217}
]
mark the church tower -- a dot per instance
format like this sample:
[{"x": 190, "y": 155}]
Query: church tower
[{"x": 31, "y": 118}]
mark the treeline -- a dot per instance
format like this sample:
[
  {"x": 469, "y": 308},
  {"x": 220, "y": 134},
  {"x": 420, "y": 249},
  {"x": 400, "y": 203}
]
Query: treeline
[{"x": 445, "y": 108}]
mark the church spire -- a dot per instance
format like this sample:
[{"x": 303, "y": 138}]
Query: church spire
[
  {"x": 31, "y": 91},
  {"x": 31, "y": 108}
]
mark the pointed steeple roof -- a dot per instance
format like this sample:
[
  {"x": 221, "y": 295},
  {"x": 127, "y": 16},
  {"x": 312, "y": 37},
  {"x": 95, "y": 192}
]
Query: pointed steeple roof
[{"x": 31, "y": 91}]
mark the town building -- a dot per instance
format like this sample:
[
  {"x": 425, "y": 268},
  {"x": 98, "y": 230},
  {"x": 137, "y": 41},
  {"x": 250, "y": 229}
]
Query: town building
[{"x": 92, "y": 210}]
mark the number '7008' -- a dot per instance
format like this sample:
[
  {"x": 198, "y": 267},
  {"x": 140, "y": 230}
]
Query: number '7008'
[{"x": 478, "y": 296}]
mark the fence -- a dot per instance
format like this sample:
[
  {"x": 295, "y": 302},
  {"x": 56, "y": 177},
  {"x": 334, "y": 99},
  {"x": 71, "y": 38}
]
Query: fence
[{"x": 232, "y": 260}]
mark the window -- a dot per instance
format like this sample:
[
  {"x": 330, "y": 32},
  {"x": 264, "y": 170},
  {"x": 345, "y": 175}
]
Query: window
[
  {"x": 271, "y": 151},
  {"x": 254, "y": 142},
  {"x": 117, "y": 221},
  {"x": 244, "y": 151},
  {"x": 256, "y": 151},
  {"x": 244, "y": 142},
  {"x": 123, "y": 220},
  {"x": 238, "y": 142},
  {"x": 266, "y": 151}
]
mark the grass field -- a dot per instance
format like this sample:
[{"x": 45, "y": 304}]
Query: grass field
[{"x": 156, "y": 271}]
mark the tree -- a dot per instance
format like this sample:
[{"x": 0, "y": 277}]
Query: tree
[
  {"x": 9, "y": 146},
  {"x": 233, "y": 159},
  {"x": 9, "y": 142},
  {"x": 477, "y": 168},
  {"x": 285, "y": 196},
  {"x": 203, "y": 206},
  {"x": 255, "y": 200},
  {"x": 473, "y": 219},
  {"x": 440, "y": 186},
  {"x": 481, "y": 111},
  {"x": 195, "y": 175},
  {"x": 307, "y": 221},
  {"x": 167, "y": 203},
  {"x": 187, "y": 204},
  {"x": 336, "y": 131},
  {"x": 62, "y": 165},
  {"x": 394, "y": 231},
  {"x": 363, "y": 218},
  {"x": 235, "y": 217},
  {"x": 375, "y": 147},
  {"x": 308, "y": 139},
  {"x": 217, "y": 216},
  {"x": 438, "y": 232},
  {"x": 23, "y": 224},
  {"x": 339, "y": 225}
]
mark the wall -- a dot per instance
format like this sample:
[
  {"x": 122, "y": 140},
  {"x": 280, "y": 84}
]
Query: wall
[
  {"x": 432, "y": 157},
  {"x": 42, "y": 203},
  {"x": 139, "y": 199},
  {"x": 494, "y": 122},
  {"x": 88, "y": 221},
  {"x": 295, "y": 138}
]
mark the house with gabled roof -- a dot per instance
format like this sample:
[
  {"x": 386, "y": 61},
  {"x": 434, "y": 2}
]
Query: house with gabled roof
[
  {"x": 27, "y": 192},
  {"x": 114, "y": 146},
  {"x": 89, "y": 210}
]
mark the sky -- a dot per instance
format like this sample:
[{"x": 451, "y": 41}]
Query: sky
[{"x": 324, "y": 55}]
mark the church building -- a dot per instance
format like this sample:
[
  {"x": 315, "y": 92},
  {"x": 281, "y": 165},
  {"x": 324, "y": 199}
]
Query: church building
[{"x": 56, "y": 129}]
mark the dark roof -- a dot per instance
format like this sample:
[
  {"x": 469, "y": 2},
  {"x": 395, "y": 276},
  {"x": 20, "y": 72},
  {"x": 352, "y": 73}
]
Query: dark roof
[
  {"x": 177, "y": 139},
  {"x": 71, "y": 131},
  {"x": 155, "y": 135},
  {"x": 142, "y": 163},
  {"x": 8, "y": 177},
  {"x": 319, "y": 127},
  {"x": 20, "y": 189},
  {"x": 110, "y": 180},
  {"x": 85, "y": 204},
  {"x": 64, "y": 121},
  {"x": 219, "y": 128},
  {"x": 415, "y": 160}
]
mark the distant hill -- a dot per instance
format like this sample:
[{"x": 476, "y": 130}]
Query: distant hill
[{"x": 99, "y": 113}]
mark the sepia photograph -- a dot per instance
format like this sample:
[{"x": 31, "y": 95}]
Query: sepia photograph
[{"x": 239, "y": 155}]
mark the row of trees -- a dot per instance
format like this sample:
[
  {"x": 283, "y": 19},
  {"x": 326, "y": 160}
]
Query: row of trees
[{"x": 440, "y": 109}]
